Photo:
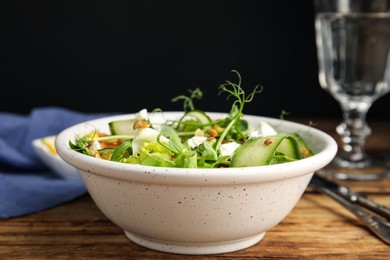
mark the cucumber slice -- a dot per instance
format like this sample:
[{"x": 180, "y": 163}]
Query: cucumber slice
[
  {"x": 303, "y": 149},
  {"x": 199, "y": 116},
  {"x": 289, "y": 147},
  {"x": 257, "y": 151},
  {"x": 269, "y": 150},
  {"x": 122, "y": 127}
]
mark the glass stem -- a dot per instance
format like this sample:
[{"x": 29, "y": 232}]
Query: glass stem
[{"x": 354, "y": 131}]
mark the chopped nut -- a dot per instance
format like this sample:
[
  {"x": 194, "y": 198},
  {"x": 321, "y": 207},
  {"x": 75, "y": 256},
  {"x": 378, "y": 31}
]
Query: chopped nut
[
  {"x": 140, "y": 124},
  {"x": 305, "y": 152},
  {"x": 212, "y": 132},
  {"x": 268, "y": 141},
  {"x": 218, "y": 129}
]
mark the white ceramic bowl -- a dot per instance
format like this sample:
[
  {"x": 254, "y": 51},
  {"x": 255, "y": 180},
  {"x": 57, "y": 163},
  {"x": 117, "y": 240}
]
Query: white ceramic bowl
[{"x": 197, "y": 211}]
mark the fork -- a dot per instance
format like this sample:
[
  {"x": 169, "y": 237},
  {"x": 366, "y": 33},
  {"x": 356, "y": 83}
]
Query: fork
[{"x": 374, "y": 215}]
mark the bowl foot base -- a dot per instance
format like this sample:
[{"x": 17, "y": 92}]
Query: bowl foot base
[{"x": 194, "y": 248}]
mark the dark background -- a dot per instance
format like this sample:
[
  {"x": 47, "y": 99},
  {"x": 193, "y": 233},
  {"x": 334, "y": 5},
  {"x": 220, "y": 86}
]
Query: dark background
[{"x": 122, "y": 56}]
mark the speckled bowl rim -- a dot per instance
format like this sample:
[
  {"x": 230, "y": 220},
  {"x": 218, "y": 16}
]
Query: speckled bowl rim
[{"x": 324, "y": 147}]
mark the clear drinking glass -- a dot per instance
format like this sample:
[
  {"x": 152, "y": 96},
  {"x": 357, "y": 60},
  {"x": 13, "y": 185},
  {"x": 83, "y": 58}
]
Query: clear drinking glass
[{"x": 353, "y": 44}]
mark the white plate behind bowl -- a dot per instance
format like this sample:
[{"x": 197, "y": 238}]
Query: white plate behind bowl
[{"x": 54, "y": 161}]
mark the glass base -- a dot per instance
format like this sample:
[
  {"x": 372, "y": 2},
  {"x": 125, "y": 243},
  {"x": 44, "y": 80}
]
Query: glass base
[
  {"x": 343, "y": 162},
  {"x": 367, "y": 170}
]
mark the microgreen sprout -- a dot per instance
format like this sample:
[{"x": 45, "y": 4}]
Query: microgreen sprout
[
  {"x": 81, "y": 144},
  {"x": 188, "y": 104},
  {"x": 195, "y": 140},
  {"x": 235, "y": 90},
  {"x": 283, "y": 114}
]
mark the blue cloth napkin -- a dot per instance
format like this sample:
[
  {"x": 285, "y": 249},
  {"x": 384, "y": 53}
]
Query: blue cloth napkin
[{"x": 27, "y": 185}]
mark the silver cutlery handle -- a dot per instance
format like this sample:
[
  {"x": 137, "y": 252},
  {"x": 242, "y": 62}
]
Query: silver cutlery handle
[
  {"x": 370, "y": 204},
  {"x": 377, "y": 225}
]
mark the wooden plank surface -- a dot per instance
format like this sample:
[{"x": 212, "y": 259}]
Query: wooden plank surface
[{"x": 317, "y": 228}]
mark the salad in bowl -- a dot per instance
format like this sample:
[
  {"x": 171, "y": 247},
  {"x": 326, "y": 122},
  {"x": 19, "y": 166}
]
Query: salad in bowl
[{"x": 195, "y": 140}]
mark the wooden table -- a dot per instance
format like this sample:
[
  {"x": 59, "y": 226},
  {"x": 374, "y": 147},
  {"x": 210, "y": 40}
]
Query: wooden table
[{"x": 317, "y": 227}]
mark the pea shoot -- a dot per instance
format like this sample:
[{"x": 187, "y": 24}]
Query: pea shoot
[{"x": 195, "y": 140}]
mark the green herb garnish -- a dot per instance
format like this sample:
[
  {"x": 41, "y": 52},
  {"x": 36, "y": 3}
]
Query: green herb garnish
[{"x": 195, "y": 140}]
